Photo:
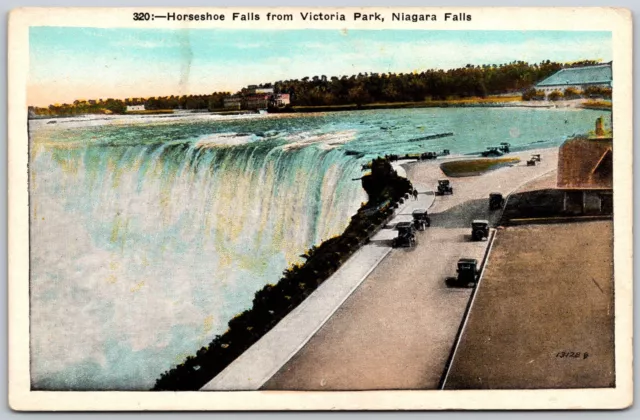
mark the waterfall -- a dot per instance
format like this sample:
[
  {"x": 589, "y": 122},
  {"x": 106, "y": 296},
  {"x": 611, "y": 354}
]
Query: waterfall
[{"x": 142, "y": 252}]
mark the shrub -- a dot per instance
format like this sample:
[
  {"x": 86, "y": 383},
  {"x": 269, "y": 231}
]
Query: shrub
[
  {"x": 571, "y": 93},
  {"x": 556, "y": 95}
]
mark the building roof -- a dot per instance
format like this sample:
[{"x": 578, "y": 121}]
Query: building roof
[
  {"x": 579, "y": 76},
  {"x": 586, "y": 163}
]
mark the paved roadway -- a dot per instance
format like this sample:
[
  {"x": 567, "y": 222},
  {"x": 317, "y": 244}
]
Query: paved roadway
[{"x": 397, "y": 329}]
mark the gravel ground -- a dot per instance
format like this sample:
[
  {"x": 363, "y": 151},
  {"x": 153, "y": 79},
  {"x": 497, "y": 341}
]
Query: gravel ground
[{"x": 548, "y": 289}]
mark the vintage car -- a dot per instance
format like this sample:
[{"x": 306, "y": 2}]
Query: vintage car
[
  {"x": 467, "y": 274},
  {"x": 421, "y": 219},
  {"x": 406, "y": 235},
  {"x": 444, "y": 187},
  {"x": 492, "y": 151},
  {"x": 496, "y": 201},
  {"x": 505, "y": 147},
  {"x": 479, "y": 230}
]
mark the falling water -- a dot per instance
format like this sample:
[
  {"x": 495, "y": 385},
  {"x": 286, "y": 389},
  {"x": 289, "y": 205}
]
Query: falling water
[{"x": 140, "y": 253}]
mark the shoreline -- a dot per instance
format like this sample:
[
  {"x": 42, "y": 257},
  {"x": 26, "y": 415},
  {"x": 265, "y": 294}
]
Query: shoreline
[{"x": 572, "y": 104}]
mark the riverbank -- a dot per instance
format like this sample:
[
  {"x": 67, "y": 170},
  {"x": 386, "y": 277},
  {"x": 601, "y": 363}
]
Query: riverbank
[
  {"x": 273, "y": 303},
  {"x": 490, "y": 102}
]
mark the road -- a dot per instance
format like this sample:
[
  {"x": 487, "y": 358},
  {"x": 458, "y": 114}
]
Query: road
[{"x": 397, "y": 329}]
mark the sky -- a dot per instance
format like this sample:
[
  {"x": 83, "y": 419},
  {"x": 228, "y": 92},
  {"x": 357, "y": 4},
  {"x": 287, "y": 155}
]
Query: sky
[{"x": 68, "y": 63}]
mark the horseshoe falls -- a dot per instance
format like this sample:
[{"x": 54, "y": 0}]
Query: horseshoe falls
[{"x": 148, "y": 234}]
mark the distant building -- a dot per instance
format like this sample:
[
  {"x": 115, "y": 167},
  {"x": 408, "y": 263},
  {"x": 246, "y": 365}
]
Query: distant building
[
  {"x": 263, "y": 90},
  {"x": 254, "y": 98},
  {"x": 256, "y": 101},
  {"x": 578, "y": 78},
  {"x": 282, "y": 100},
  {"x": 233, "y": 102},
  {"x": 135, "y": 108}
]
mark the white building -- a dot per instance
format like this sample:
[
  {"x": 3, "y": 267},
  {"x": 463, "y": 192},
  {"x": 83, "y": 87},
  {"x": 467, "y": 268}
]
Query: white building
[
  {"x": 578, "y": 78},
  {"x": 135, "y": 108}
]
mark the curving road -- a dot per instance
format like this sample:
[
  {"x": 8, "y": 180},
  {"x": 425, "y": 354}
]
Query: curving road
[{"x": 397, "y": 329}]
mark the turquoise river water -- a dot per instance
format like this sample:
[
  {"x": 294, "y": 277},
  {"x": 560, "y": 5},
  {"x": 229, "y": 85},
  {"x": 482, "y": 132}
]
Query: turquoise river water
[{"x": 149, "y": 234}]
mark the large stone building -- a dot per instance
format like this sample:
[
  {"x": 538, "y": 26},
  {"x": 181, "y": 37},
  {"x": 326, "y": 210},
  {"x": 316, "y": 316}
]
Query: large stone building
[
  {"x": 585, "y": 173},
  {"x": 578, "y": 78}
]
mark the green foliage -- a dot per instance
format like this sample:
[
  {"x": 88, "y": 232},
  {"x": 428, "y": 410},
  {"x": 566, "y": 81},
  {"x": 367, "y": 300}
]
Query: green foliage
[
  {"x": 465, "y": 82},
  {"x": 533, "y": 95},
  {"x": 274, "y": 302},
  {"x": 596, "y": 92},
  {"x": 556, "y": 95},
  {"x": 571, "y": 93},
  {"x": 119, "y": 106}
]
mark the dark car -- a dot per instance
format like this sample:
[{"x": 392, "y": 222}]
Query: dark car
[
  {"x": 467, "y": 273},
  {"x": 421, "y": 219},
  {"x": 505, "y": 147},
  {"x": 492, "y": 151},
  {"x": 444, "y": 187},
  {"x": 496, "y": 201},
  {"x": 479, "y": 230},
  {"x": 406, "y": 235}
]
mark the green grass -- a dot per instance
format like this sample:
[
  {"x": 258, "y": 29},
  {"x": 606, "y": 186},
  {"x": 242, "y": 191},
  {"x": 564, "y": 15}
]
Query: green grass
[{"x": 475, "y": 166}]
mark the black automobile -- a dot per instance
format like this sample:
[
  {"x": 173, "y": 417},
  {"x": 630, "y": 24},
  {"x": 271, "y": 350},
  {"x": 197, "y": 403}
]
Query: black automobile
[
  {"x": 496, "y": 201},
  {"x": 467, "y": 274},
  {"x": 505, "y": 147},
  {"x": 479, "y": 230},
  {"x": 444, "y": 187},
  {"x": 406, "y": 235},
  {"x": 421, "y": 219},
  {"x": 492, "y": 151}
]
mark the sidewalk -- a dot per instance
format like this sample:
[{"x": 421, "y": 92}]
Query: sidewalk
[{"x": 261, "y": 361}]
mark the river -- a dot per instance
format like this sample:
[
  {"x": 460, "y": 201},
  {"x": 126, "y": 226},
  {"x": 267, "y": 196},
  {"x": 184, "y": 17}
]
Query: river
[{"x": 148, "y": 234}]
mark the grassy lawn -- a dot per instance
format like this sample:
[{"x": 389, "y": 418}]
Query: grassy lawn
[{"x": 475, "y": 166}]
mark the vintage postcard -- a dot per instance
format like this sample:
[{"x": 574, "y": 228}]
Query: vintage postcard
[{"x": 314, "y": 209}]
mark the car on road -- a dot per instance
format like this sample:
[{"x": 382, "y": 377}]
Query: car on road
[
  {"x": 496, "y": 201},
  {"x": 492, "y": 151},
  {"x": 444, "y": 187},
  {"x": 479, "y": 230},
  {"x": 406, "y": 235},
  {"x": 468, "y": 273},
  {"x": 421, "y": 219}
]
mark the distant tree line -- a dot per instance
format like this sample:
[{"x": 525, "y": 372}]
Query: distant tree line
[
  {"x": 119, "y": 106},
  {"x": 468, "y": 81},
  {"x": 363, "y": 88}
]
